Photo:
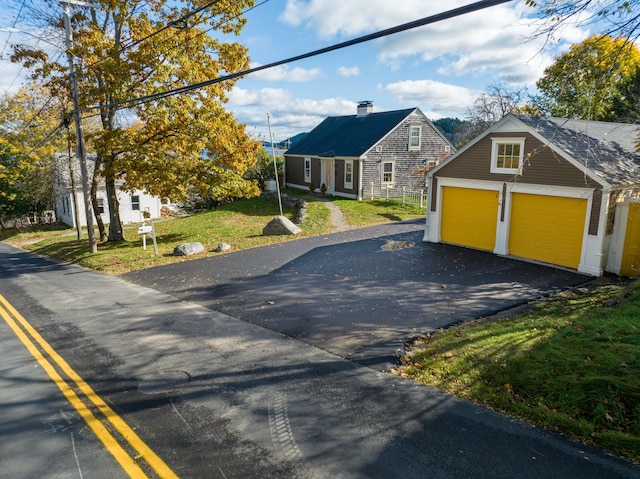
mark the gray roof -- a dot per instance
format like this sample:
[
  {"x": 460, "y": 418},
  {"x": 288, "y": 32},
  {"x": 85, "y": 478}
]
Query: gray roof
[
  {"x": 607, "y": 149},
  {"x": 348, "y": 136}
]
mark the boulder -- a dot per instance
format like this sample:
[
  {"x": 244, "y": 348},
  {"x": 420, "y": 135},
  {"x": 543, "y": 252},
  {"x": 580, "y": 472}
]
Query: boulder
[
  {"x": 281, "y": 225},
  {"x": 223, "y": 247},
  {"x": 188, "y": 249}
]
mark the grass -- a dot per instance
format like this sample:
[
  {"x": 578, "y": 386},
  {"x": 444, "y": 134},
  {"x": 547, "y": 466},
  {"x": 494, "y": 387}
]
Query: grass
[
  {"x": 571, "y": 363},
  {"x": 368, "y": 212},
  {"x": 239, "y": 224}
]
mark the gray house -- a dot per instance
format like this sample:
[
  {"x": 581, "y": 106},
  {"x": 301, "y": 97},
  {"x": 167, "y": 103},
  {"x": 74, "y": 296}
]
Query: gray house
[{"x": 358, "y": 156}]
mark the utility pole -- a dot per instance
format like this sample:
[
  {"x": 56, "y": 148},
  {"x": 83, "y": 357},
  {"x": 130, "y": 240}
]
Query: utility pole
[{"x": 82, "y": 154}]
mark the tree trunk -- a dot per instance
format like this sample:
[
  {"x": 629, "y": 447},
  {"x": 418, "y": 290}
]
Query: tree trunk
[
  {"x": 115, "y": 225},
  {"x": 96, "y": 211}
]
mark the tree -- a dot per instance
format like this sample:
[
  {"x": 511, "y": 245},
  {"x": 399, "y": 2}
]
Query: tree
[
  {"x": 618, "y": 18},
  {"x": 496, "y": 101},
  {"x": 167, "y": 144},
  {"x": 626, "y": 104},
  {"x": 263, "y": 170},
  {"x": 585, "y": 82},
  {"x": 26, "y": 119}
]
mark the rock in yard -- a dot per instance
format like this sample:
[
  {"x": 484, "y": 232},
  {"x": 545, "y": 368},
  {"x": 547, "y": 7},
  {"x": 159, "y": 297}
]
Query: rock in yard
[
  {"x": 223, "y": 247},
  {"x": 188, "y": 249},
  {"x": 280, "y": 225}
]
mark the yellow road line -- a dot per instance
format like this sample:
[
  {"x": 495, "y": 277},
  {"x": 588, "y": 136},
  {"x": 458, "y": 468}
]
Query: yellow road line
[{"x": 127, "y": 463}]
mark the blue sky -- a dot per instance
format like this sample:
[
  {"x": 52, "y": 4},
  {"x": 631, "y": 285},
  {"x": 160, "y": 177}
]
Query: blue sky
[{"x": 440, "y": 68}]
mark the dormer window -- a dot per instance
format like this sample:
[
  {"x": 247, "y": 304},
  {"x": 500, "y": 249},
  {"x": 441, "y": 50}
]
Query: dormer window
[
  {"x": 506, "y": 155},
  {"x": 415, "y": 132}
]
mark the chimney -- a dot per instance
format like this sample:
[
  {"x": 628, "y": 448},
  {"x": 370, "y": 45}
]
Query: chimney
[{"x": 364, "y": 108}]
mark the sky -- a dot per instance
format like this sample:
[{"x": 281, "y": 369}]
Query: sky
[{"x": 439, "y": 68}]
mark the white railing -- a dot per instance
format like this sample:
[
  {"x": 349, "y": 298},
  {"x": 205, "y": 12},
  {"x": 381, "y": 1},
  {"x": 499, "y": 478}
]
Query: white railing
[{"x": 402, "y": 194}]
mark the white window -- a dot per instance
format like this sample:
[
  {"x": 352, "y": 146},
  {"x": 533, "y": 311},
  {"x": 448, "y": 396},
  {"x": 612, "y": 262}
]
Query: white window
[
  {"x": 100, "y": 205},
  {"x": 506, "y": 155},
  {"x": 348, "y": 174},
  {"x": 414, "y": 137},
  {"x": 135, "y": 203},
  {"x": 387, "y": 172},
  {"x": 307, "y": 170}
]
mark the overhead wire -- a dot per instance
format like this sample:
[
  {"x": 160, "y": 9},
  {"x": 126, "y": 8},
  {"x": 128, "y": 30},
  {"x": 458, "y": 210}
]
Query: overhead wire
[
  {"x": 470, "y": 8},
  {"x": 480, "y": 5},
  {"x": 156, "y": 32},
  {"x": 200, "y": 33},
  {"x": 15, "y": 22}
]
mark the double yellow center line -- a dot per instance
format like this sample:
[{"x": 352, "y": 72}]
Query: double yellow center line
[{"x": 48, "y": 358}]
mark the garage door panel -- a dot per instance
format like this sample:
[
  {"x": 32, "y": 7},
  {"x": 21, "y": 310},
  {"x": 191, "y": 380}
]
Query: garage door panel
[
  {"x": 631, "y": 252},
  {"x": 469, "y": 217},
  {"x": 547, "y": 228}
]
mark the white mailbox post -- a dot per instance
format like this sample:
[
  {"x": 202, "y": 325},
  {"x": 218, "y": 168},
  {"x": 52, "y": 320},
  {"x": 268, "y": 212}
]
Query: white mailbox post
[{"x": 148, "y": 229}]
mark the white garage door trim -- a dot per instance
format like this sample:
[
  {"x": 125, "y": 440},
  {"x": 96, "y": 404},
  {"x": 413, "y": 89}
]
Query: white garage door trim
[
  {"x": 434, "y": 218},
  {"x": 591, "y": 256}
]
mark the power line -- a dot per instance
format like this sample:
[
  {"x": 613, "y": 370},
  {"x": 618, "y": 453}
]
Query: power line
[
  {"x": 15, "y": 22},
  {"x": 383, "y": 33},
  {"x": 152, "y": 34}
]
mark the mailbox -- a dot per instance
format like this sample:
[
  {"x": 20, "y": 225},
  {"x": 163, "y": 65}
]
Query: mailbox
[{"x": 145, "y": 230}]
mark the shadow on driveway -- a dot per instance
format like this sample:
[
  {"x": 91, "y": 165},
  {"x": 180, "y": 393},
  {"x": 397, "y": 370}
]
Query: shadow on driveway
[{"x": 345, "y": 294}]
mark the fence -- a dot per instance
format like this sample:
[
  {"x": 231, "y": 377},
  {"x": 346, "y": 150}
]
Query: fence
[{"x": 402, "y": 194}]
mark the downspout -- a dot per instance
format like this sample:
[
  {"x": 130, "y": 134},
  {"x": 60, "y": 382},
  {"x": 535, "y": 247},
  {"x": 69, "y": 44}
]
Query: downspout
[
  {"x": 426, "y": 222},
  {"x": 360, "y": 186}
]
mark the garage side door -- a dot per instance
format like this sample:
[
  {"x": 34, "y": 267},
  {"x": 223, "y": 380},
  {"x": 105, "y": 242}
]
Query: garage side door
[
  {"x": 547, "y": 228},
  {"x": 469, "y": 217},
  {"x": 631, "y": 254}
]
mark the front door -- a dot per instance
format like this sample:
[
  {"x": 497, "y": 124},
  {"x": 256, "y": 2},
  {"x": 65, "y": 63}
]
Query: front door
[{"x": 327, "y": 174}]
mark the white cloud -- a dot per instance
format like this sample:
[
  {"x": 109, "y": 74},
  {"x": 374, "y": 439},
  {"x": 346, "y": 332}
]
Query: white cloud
[
  {"x": 347, "y": 72},
  {"x": 283, "y": 73},
  {"x": 497, "y": 40},
  {"x": 289, "y": 114},
  {"x": 441, "y": 98}
]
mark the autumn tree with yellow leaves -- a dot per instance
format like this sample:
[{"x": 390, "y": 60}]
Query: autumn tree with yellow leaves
[
  {"x": 594, "y": 80},
  {"x": 27, "y": 119},
  {"x": 128, "y": 51}
]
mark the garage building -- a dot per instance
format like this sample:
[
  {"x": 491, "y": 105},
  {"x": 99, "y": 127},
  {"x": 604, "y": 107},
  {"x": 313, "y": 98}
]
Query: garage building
[{"x": 552, "y": 190}]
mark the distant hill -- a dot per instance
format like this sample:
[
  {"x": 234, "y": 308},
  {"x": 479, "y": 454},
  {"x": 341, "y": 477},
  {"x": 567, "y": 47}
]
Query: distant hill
[{"x": 285, "y": 144}]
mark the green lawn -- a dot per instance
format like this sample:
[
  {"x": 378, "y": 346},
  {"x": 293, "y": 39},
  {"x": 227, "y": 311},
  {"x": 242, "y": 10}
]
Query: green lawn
[
  {"x": 571, "y": 363},
  {"x": 239, "y": 224}
]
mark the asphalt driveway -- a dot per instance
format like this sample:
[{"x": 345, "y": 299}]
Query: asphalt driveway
[{"x": 360, "y": 294}]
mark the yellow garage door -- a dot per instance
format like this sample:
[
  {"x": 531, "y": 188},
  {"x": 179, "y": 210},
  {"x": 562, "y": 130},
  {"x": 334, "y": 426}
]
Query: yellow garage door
[
  {"x": 547, "y": 228},
  {"x": 631, "y": 254},
  {"x": 469, "y": 217}
]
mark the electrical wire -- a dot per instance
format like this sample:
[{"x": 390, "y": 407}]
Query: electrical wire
[
  {"x": 15, "y": 22},
  {"x": 383, "y": 33},
  {"x": 473, "y": 7},
  {"x": 152, "y": 34}
]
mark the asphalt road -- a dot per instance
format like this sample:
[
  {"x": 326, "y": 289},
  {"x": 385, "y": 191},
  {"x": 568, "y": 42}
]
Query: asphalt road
[
  {"x": 360, "y": 294},
  {"x": 218, "y": 397}
]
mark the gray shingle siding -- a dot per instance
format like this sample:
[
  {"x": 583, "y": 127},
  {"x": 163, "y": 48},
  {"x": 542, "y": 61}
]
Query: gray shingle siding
[{"x": 395, "y": 147}]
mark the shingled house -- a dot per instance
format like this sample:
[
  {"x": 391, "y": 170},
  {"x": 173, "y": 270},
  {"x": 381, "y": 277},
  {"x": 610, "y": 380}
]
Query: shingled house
[
  {"x": 358, "y": 156},
  {"x": 553, "y": 190}
]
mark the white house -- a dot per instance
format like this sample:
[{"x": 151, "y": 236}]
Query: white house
[{"x": 132, "y": 204}]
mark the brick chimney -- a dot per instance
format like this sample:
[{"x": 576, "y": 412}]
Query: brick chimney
[{"x": 364, "y": 108}]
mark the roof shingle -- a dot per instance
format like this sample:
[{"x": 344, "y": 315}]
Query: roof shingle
[
  {"x": 608, "y": 149},
  {"x": 348, "y": 136}
]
